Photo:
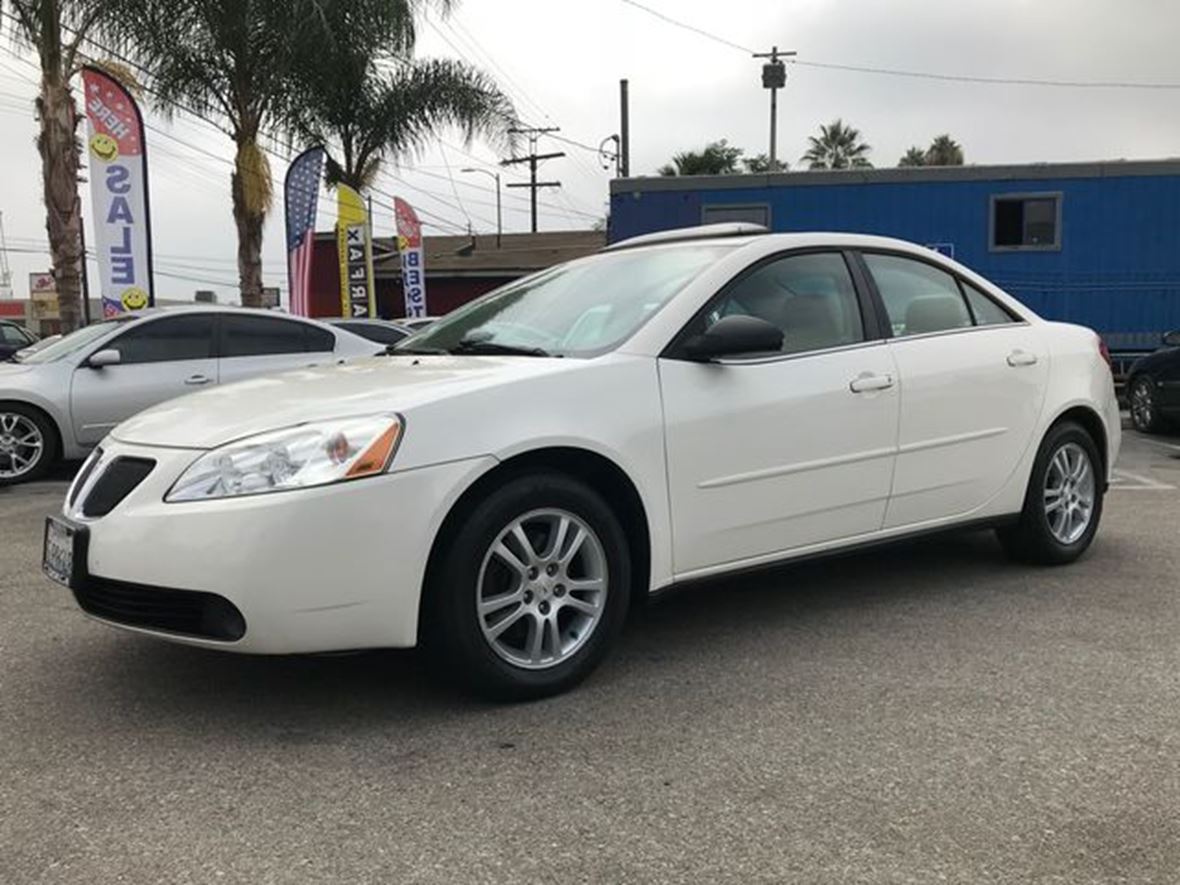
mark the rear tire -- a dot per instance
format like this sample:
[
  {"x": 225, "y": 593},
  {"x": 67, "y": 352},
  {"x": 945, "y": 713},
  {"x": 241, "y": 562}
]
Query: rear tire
[
  {"x": 1063, "y": 503},
  {"x": 28, "y": 443},
  {"x": 531, "y": 590},
  {"x": 1145, "y": 413}
]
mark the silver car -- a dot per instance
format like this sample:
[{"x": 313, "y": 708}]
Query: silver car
[{"x": 59, "y": 402}]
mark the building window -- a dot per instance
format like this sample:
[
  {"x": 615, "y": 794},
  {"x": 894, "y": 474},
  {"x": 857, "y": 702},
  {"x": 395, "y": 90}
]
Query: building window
[
  {"x": 1026, "y": 221},
  {"x": 754, "y": 213}
]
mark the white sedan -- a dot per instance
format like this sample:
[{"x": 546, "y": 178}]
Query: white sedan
[{"x": 680, "y": 406}]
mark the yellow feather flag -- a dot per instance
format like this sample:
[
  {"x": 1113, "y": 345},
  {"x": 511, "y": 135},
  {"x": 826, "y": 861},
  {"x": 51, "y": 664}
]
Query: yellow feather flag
[{"x": 354, "y": 246}]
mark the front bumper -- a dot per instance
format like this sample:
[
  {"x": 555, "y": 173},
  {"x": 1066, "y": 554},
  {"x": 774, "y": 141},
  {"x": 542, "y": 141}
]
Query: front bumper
[{"x": 325, "y": 569}]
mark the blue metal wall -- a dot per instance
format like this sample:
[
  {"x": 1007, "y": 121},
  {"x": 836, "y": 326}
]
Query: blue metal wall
[{"x": 1118, "y": 270}]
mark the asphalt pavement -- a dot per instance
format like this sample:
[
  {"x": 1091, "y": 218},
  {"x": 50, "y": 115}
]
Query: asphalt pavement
[{"x": 926, "y": 713}]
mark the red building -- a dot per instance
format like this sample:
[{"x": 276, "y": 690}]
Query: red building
[{"x": 458, "y": 268}]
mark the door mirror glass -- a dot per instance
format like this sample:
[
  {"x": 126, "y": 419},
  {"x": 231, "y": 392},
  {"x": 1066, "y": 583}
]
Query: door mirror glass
[
  {"x": 108, "y": 357},
  {"x": 1172, "y": 339},
  {"x": 735, "y": 335}
]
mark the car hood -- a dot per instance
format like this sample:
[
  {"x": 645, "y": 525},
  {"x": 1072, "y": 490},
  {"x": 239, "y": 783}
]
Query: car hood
[
  {"x": 12, "y": 370},
  {"x": 222, "y": 414}
]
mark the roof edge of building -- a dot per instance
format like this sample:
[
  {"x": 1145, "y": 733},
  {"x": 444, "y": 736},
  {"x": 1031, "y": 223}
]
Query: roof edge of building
[{"x": 896, "y": 175}]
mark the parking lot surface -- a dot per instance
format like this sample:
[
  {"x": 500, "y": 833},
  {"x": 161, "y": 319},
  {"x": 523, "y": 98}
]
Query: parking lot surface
[{"x": 919, "y": 714}]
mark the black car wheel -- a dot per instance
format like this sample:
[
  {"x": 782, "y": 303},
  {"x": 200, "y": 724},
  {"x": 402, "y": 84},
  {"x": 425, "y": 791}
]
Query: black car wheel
[
  {"x": 1145, "y": 415},
  {"x": 1063, "y": 503},
  {"x": 531, "y": 590}
]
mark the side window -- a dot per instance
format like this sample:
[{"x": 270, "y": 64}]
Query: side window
[
  {"x": 985, "y": 311},
  {"x": 810, "y": 297},
  {"x": 260, "y": 336},
  {"x": 318, "y": 340},
  {"x": 919, "y": 298},
  {"x": 187, "y": 337},
  {"x": 13, "y": 335},
  {"x": 1025, "y": 221}
]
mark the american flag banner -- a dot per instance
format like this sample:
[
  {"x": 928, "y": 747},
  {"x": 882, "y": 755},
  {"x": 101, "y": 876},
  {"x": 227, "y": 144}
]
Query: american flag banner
[{"x": 301, "y": 195}]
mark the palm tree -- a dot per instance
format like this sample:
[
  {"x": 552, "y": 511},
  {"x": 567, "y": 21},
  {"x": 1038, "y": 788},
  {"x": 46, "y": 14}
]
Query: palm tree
[
  {"x": 915, "y": 156},
  {"x": 838, "y": 146},
  {"x": 717, "y": 158},
  {"x": 56, "y": 29},
  {"x": 944, "y": 151},
  {"x": 762, "y": 163},
  {"x": 235, "y": 62},
  {"x": 365, "y": 108}
]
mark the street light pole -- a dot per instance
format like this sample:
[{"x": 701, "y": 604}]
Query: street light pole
[
  {"x": 499, "y": 217},
  {"x": 774, "y": 78}
]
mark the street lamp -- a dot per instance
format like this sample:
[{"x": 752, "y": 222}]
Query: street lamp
[{"x": 499, "y": 218}]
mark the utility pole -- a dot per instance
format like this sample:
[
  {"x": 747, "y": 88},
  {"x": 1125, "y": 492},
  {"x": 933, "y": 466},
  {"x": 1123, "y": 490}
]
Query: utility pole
[
  {"x": 499, "y": 215},
  {"x": 5, "y": 271},
  {"x": 774, "y": 78},
  {"x": 532, "y": 158},
  {"x": 624, "y": 130}
]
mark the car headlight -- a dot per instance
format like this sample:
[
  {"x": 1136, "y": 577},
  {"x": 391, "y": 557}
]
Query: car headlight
[{"x": 298, "y": 457}]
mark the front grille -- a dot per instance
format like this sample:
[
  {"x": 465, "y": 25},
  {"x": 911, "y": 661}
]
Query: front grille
[
  {"x": 116, "y": 483},
  {"x": 185, "y": 612}
]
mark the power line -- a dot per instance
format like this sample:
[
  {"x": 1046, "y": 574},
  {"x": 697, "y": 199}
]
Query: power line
[{"x": 922, "y": 75}]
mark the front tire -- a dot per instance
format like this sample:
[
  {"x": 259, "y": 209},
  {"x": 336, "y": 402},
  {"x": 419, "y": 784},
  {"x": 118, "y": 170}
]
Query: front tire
[
  {"x": 1063, "y": 504},
  {"x": 532, "y": 589},
  {"x": 28, "y": 444},
  {"x": 1145, "y": 413}
]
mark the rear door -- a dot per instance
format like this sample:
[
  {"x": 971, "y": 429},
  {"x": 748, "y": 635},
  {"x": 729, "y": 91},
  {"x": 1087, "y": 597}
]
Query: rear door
[
  {"x": 973, "y": 381},
  {"x": 779, "y": 451},
  {"x": 160, "y": 358},
  {"x": 253, "y": 345}
]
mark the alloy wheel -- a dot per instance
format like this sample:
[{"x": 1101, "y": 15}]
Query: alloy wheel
[
  {"x": 21, "y": 445},
  {"x": 542, "y": 588},
  {"x": 1069, "y": 493},
  {"x": 1143, "y": 404}
]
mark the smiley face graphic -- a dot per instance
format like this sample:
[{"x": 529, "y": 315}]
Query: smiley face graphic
[
  {"x": 104, "y": 147},
  {"x": 134, "y": 298}
]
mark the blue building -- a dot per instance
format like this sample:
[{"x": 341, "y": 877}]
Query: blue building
[{"x": 1092, "y": 243}]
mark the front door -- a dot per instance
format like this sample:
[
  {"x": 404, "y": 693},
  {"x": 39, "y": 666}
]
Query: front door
[
  {"x": 972, "y": 385},
  {"x": 159, "y": 359},
  {"x": 781, "y": 451}
]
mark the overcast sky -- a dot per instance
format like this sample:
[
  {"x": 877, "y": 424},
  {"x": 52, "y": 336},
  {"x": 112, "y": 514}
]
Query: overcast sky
[{"x": 561, "y": 61}]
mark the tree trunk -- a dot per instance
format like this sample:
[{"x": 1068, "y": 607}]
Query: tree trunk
[
  {"x": 249, "y": 224},
  {"x": 58, "y": 145}
]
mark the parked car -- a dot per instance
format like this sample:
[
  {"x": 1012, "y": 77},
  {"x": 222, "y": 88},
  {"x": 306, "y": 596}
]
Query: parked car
[
  {"x": 14, "y": 337},
  {"x": 380, "y": 331},
  {"x": 678, "y": 407},
  {"x": 1153, "y": 387},
  {"x": 61, "y": 401}
]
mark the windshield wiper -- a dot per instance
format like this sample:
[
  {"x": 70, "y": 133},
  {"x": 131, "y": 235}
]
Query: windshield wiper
[
  {"x": 483, "y": 345},
  {"x": 398, "y": 350}
]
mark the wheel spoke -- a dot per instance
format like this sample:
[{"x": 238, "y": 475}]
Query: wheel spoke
[
  {"x": 525, "y": 544},
  {"x": 580, "y": 605},
  {"x": 574, "y": 547},
  {"x": 491, "y": 604},
  {"x": 563, "y": 527},
  {"x": 503, "y": 624},
  {"x": 1056, "y": 505},
  {"x": 509, "y": 558},
  {"x": 577, "y": 585},
  {"x": 7, "y": 423},
  {"x": 553, "y": 635},
  {"x": 535, "y": 640}
]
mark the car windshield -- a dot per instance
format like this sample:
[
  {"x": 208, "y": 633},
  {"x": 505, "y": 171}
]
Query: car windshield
[
  {"x": 73, "y": 342},
  {"x": 582, "y": 308}
]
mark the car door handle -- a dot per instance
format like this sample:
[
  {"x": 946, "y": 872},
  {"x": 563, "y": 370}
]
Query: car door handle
[
  {"x": 1022, "y": 358},
  {"x": 867, "y": 383},
  {"x": 196, "y": 380}
]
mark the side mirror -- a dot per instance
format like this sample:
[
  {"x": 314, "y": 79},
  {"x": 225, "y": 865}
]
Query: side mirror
[
  {"x": 101, "y": 358},
  {"x": 733, "y": 336},
  {"x": 1172, "y": 339}
]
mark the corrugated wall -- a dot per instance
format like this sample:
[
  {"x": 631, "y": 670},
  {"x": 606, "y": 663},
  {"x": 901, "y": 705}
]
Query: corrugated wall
[{"x": 1118, "y": 269}]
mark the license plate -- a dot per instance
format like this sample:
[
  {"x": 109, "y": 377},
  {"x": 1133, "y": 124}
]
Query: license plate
[{"x": 57, "y": 555}]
